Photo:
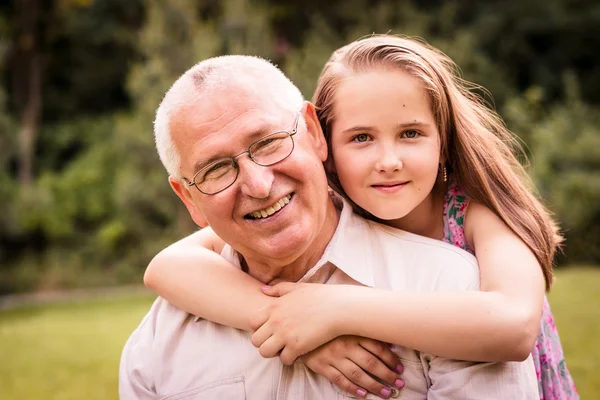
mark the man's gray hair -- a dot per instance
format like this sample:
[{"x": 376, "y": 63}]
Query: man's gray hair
[{"x": 212, "y": 75}]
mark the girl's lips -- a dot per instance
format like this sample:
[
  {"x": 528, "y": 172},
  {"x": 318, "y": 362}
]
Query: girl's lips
[{"x": 391, "y": 187}]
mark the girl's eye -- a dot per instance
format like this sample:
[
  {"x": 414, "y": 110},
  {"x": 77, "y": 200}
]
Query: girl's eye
[
  {"x": 411, "y": 134},
  {"x": 361, "y": 138}
]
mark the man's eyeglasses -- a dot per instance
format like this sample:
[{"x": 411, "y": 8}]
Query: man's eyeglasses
[{"x": 222, "y": 173}]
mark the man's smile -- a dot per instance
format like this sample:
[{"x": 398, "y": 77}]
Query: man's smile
[{"x": 270, "y": 210}]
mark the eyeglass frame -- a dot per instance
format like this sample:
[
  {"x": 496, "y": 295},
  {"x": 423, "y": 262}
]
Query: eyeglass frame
[{"x": 235, "y": 163}]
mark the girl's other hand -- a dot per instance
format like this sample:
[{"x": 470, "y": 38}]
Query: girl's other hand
[
  {"x": 300, "y": 320},
  {"x": 352, "y": 363}
]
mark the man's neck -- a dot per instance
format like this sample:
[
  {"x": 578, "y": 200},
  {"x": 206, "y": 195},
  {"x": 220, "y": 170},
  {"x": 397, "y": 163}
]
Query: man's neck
[{"x": 293, "y": 270}]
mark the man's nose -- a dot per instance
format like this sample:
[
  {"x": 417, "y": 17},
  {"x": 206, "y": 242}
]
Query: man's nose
[
  {"x": 389, "y": 159},
  {"x": 255, "y": 180}
]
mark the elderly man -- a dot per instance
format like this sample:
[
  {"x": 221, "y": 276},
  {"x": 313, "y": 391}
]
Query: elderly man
[{"x": 246, "y": 113}]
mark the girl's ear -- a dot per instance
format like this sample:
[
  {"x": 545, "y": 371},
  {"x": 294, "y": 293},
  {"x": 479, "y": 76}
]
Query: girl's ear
[
  {"x": 314, "y": 130},
  {"x": 184, "y": 194}
]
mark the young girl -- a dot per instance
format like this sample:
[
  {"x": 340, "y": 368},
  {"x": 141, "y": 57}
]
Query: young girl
[{"x": 412, "y": 148}]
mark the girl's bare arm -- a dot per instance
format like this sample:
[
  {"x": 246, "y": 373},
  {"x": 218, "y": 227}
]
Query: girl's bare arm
[{"x": 192, "y": 275}]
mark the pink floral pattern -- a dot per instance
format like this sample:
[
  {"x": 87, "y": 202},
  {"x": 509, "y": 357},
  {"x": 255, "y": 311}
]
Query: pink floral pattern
[{"x": 554, "y": 379}]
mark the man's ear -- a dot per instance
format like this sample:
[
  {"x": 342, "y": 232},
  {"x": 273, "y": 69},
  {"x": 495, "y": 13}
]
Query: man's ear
[
  {"x": 314, "y": 130},
  {"x": 180, "y": 188}
]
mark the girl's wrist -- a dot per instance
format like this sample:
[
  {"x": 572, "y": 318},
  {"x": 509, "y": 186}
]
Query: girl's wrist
[{"x": 342, "y": 315}]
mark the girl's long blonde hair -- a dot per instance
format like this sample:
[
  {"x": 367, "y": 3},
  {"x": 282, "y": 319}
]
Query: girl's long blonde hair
[{"x": 476, "y": 146}]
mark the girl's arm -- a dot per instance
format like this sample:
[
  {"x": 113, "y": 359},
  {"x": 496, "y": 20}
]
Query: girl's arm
[
  {"x": 499, "y": 323},
  {"x": 192, "y": 275}
]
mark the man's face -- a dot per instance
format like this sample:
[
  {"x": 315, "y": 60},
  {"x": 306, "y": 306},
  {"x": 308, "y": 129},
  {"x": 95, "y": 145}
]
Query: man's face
[{"x": 225, "y": 126}]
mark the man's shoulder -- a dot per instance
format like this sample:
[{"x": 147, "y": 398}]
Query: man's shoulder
[
  {"x": 417, "y": 243},
  {"x": 162, "y": 315},
  {"x": 423, "y": 242},
  {"x": 411, "y": 261}
]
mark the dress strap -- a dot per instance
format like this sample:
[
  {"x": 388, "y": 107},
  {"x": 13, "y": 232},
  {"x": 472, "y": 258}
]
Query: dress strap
[{"x": 455, "y": 209}]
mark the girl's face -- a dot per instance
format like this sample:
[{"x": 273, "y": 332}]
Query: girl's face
[{"x": 385, "y": 142}]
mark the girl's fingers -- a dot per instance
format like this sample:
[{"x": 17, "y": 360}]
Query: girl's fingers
[
  {"x": 384, "y": 353},
  {"x": 263, "y": 333},
  {"x": 340, "y": 380},
  {"x": 271, "y": 347},
  {"x": 288, "y": 356},
  {"x": 373, "y": 366},
  {"x": 359, "y": 378}
]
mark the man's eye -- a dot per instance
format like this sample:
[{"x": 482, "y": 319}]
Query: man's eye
[
  {"x": 264, "y": 143},
  {"x": 216, "y": 171},
  {"x": 216, "y": 167},
  {"x": 361, "y": 138},
  {"x": 411, "y": 134}
]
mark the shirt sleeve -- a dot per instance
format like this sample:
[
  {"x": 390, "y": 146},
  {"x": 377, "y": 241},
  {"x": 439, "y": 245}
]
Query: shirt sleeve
[
  {"x": 135, "y": 375},
  {"x": 453, "y": 379}
]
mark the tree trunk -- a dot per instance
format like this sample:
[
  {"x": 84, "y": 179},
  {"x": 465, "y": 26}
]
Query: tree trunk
[{"x": 27, "y": 83}]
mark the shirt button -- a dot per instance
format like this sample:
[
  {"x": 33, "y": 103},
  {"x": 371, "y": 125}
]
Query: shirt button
[{"x": 395, "y": 393}]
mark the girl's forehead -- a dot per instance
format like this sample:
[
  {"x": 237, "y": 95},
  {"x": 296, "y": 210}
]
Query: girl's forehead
[
  {"x": 380, "y": 82},
  {"x": 381, "y": 93}
]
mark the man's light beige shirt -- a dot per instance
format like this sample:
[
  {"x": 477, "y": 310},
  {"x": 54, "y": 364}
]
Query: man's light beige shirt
[{"x": 174, "y": 355}]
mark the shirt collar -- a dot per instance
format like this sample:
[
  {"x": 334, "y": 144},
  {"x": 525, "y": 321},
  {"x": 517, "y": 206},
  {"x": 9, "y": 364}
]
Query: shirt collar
[{"x": 350, "y": 249}]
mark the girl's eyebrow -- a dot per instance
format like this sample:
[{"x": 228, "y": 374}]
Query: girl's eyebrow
[
  {"x": 413, "y": 124},
  {"x": 404, "y": 125},
  {"x": 359, "y": 128}
]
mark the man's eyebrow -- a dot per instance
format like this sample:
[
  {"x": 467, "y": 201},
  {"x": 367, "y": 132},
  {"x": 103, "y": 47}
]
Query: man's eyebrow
[
  {"x": 255, "y": 135},
  {"x": 366, "y": 128}
]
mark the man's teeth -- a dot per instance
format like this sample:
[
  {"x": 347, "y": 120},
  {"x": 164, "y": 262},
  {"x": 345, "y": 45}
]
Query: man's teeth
[{"x": 272, "y": 209}]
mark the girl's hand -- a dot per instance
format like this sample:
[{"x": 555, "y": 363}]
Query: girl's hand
[
  {"x": 351, "y": 362},
  {"x": 303, "y": 318}
]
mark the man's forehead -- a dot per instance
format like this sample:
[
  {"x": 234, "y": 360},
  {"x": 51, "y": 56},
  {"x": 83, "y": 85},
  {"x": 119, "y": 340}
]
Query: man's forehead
[
  {"x": 203, "y": 132},
  {"x": 220, "y": 102},
  {"x": 199, "y": 119}
]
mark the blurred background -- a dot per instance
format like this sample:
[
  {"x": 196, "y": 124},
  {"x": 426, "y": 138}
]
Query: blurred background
[{"x": 86, "y": 202}]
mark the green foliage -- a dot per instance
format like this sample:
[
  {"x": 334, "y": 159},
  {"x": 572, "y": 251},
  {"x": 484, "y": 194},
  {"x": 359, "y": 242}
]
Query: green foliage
[
  {"x": 100, "y": 205},
  {"x": 88, "y": 48},
  {"x": 564, "y": 142}
]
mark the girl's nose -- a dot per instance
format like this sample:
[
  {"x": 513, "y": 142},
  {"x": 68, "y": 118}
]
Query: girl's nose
[{"x": 389, "y": 161}]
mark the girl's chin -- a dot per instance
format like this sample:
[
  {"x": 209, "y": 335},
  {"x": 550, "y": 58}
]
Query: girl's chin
[{"x": 386, "y": 216}]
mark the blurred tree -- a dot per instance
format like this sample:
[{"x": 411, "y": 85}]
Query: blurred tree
[
  {"x": 91, "y": 45},
  {"x": 26, "y": 68},
  {"x": 66, "y": 56},
  {"x": 173, "y": 39},
  {"x": 537, "y": 45},
  {"x": 564, "y": 143}
]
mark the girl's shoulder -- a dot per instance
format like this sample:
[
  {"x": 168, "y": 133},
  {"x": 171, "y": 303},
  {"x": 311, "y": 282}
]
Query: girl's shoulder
[{"x": 456, "y": 203}]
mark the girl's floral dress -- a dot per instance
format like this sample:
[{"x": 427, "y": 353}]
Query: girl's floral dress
[{"x": 554, "y": 379}]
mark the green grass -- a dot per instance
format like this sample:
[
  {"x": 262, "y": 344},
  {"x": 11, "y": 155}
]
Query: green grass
[
  {"x": 575, "y": 302},
  {"x": 71, "y": 352},
  {"x": 66, "y": 352}
]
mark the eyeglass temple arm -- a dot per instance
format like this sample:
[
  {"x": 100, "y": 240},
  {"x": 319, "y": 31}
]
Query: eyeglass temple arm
[{"x": 187, "y": 182}]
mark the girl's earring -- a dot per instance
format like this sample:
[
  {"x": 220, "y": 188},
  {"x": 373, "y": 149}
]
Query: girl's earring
[{"x": 445, "y": 173}]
